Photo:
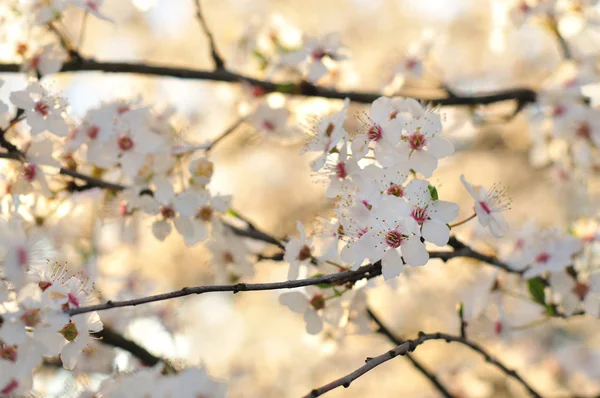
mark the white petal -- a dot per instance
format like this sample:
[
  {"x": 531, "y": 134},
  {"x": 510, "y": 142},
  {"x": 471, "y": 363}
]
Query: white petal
[
  {"x": 316, "y": 70},
  {"x": 295, "y": 301},
  {"x": 380, "y": 109},
  {"x": 161, "y": 229},
  {"x": 70, "y": 353},
  {"x": 131, "y": 162},
  {"x": 443, "y": 211},
  {"x": 184, "y": 226},
  {"x": 414, "y": 252},
  {"x": 440, "y": 147},
  {"x": 436, "y": 232},
  {"x": 498, "y": 225},
  {"x": 391, "y": 264},
  {"x": 417, "y": 192},
  {"x": 314, "y": 324},
  {"x": 423, "y": 163}
]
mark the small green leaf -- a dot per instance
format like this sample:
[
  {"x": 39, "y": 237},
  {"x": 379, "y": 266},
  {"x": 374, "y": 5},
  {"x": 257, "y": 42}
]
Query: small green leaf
[
  {"x": 550, "y": 310},
  {"x": 321, "y": 285},
  {"x": 536, "y": 289},
  {"x": 433, "y": 192},
  {"x": 461, "y": 309},
  {"x": 286, "y": 88},
  {"x": 232, "y": 213},
  {"x": 337, "y": 292}
]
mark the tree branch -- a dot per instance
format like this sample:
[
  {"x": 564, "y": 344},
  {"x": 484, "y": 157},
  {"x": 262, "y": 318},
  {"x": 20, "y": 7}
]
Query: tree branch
[
  {"x": 521, "y": 95},
  {"x": 368, "y": 271},
  {"x": 408, "y": 347},
  {"x": 110, "y": 337},
  {"x": 217, "y": 59},
  {"x": 382, "y": 329}
]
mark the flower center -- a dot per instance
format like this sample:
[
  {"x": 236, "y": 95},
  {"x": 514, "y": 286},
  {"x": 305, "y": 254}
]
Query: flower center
[
  {"x": 584, "y": 131},
  {"x": 375, "y": 133},
  {"x": 268, "y": 125},
  {"x": 42, "y": 108},
  {"x": 205, "y": 213},
  {"x": 411, "y": 63},
  {"x": 416, "y": 141},
  {"x": 559, "y": 110},
  {"x": 393, "y": 239},
  {"x": 31, "y": 317},
  {"x": 419, "y": 214},
  {"x": 304, "y": 253},
  {"x": 340, "y": 171},
  {"x": 395, "y": 190},
  {"x": 581, "y": 290},
  {"x": 73, "y": 300},
  {"x": 318, "y": 53},
  {"x": 93, "y": 131},
  {"x": 10, "y": 387},
  {"x": 125, "y": 143},
  {"x": 543, "y": 257},
  {"x": 498, "y": 327},
  {"x": 8, "y": 352},
  {"x": 22, "y": 257},
  {"x": 29, "y": 172},
  {"x": 167, "y": 212},
  {"x": 318, "y": 301},
  {"x": 228, "y": 258},
  {"x": 485, "y": 207}
]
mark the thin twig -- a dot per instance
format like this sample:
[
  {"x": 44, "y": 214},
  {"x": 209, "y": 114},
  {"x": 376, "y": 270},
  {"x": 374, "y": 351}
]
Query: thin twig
[
  {"x": 408, "y": 347},
  {"x": 382, "y": 329},
  {"x": 223, "y": 135},
  {"x": 214, "y": 53},
  {"x": 521, "y": 95},
  {"x": 456, "y": 224}
]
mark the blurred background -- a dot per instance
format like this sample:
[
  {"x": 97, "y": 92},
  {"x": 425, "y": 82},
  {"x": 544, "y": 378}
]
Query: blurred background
[{"x": 249, "y": 339}]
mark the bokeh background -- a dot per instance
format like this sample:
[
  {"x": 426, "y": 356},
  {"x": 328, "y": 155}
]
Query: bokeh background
[{"x": 249, "y": 339}]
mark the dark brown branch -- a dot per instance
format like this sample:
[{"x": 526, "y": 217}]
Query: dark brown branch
[
  {"x": 110, "y": 337},
  {"x": 214, "y": 53},
  {"x": 382, "y": 329},
  {"x": 521, "y": 95},
  {"x": 409, "y": 346},
  {"x": 367, "y": 271}
]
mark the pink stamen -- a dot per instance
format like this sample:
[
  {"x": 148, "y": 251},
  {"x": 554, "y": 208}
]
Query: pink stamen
[
  {"x": 417, "y": 141},
  {"x": 125, "y": 143},
  {"x": 419, "y": 215},
  {"x": 485, "y": 207},
  {"x": 375, "y": 133},
  {"x": 42, "y": 108},
  {"x": 340, "y": 171},
  {"x": 394, "y": 239}
]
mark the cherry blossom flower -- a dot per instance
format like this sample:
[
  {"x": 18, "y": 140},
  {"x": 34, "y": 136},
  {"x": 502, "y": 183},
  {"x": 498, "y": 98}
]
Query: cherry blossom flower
[
  {"x": 43, "y": 112},
  {"x": 383, "y": 131},
  {"x": 201, "y": 170},
  {"x": 326, "y": 135},
  {"x": 91, "y": 6},
  {"x": 298, "y": 251},
  {"x": 47, "y": 60},
  {"x": 432, "y": 215},
  {"x": 271, "y": 121},
  {"x": 551, "y": 251},
  {"x": 572, "y": 293},
  {"x": 173, "y": 210},
  {"x": 30, "y": 175},
  {"x": 316, "y": 307},
  {"x": 489, "y": 206},
  {"x": 340, "y": 173},
  {"x": 393, "y": 233},
  {"x": 229, "y": 254},
  {"x": 421, "y": 143},
  {"x": 77, "y": 333},
  {"x": 375, "y": 183},
  {"x": 207, "y": 208},
  {"x": 312, "y": 55}
]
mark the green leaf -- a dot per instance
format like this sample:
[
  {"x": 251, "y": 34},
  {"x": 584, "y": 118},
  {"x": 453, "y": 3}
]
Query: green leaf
[
  {"x": 550, "y": 310},
  {"x": 536, "y": 288},
  {"x": 433, "y": 192},
  {"x": 321, "y": 285},
  {"x": 231, "y": 212},
  {"x": 287, "y": 88}
]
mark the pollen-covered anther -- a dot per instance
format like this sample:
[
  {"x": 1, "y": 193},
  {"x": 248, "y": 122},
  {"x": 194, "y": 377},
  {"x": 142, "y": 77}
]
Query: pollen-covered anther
[
  {"x": 375, "y": 133},
  {"x": 394, "y": 239}
]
